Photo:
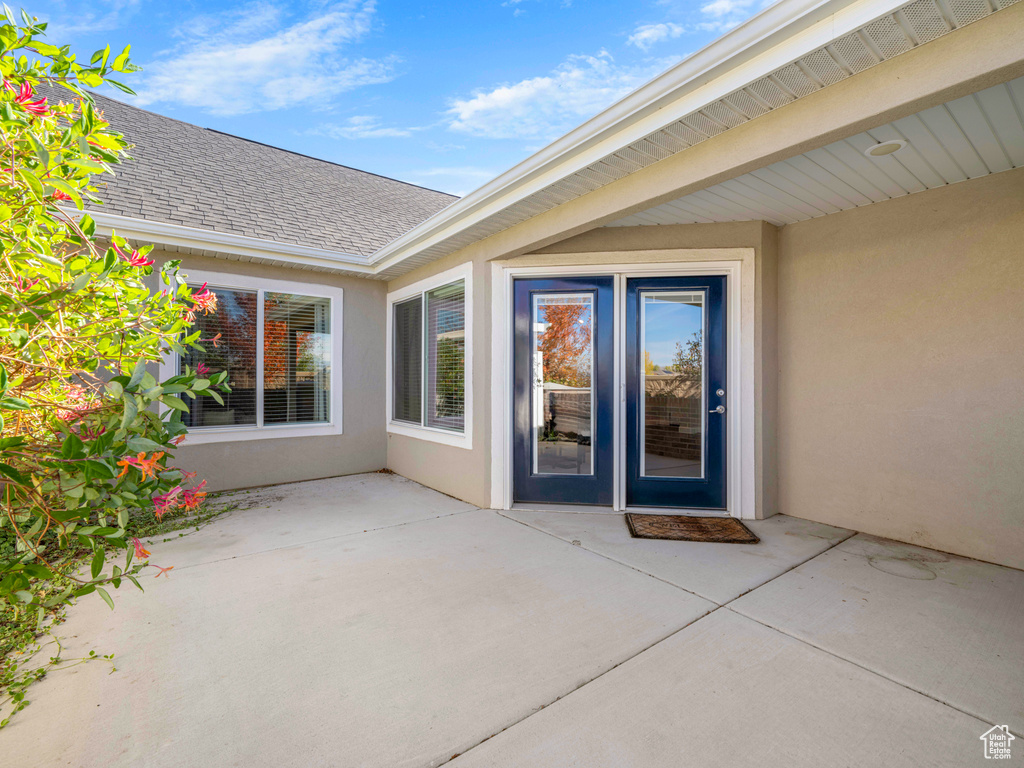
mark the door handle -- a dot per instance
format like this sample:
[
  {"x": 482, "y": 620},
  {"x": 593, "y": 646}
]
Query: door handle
[{"x": 719, "y": 409}]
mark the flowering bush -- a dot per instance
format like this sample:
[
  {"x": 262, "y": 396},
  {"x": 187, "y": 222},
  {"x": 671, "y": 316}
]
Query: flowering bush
[{"x": 86, "y": 431}]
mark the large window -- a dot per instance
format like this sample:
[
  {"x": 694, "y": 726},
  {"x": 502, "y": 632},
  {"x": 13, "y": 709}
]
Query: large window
[
  {"x": 428, "y": 359},
  {"x": 278, "y": 345}
]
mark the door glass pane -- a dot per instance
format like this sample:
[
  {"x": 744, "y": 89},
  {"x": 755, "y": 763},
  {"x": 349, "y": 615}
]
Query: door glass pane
[
  {"x": 672, "y": 332},
  {"x": 562, "y": 403},
  {"x": 296, "y": 359},
  {"x": 228, "y": 336}
]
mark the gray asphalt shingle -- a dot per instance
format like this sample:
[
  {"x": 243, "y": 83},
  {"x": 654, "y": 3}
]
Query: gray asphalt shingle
[{"x": 199, "y": 177}]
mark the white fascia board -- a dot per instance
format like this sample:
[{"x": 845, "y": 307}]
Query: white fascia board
[
  {"x": 774, "y": 38},
  {"x": 161, "y": 233}
]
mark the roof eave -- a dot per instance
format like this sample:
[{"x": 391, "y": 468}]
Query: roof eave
[{"x": 194, "y": 239}]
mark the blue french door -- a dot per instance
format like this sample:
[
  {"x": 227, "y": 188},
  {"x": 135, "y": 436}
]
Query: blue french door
[
  {"x": 563, "y": 371},
  {"x": 675, "y": 392}
]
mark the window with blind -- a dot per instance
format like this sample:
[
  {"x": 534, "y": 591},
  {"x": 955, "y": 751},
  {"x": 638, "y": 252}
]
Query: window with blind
[
  {"x": 429, "y": 358},
  {"x": 296, "y": 359},
  {"x": 229, "y": 339},
  {"x": 276, "y": 348}
]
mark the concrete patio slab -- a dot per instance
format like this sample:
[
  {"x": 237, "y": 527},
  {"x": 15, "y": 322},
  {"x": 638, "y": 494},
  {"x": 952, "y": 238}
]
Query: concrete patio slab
[
  {"x": 727, "y": 691},
  {"x": 397, "y": 647},
  {"x": 718, "y": 572},
  {"x": 288, "y": 515},
  {"x": 947, "y": 626}
]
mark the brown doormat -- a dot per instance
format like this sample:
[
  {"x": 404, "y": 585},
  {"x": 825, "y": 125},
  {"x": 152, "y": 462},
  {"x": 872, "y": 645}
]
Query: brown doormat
[{"x": 724, "y": 530}]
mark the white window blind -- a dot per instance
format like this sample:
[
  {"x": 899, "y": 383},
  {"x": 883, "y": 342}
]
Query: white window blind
[
  {"x": 408, "y": 360},
  {"x": 296, "y": 359},
  {"x": 429, "y": 358},
  {"x": 446, "y": 356},
  {"x": 235, "y": 352}
]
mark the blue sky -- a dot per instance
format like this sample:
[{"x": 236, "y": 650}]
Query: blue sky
[
  {"x": 442, "y": 94},
  {"x": 668, "y": 324}
]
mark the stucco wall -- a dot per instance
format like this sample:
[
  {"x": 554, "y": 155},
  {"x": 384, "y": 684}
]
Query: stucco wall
[
  {"x": 466, "y": 474},
  {"x": 361, "y": 447},
  {"x": 901, "y": 359}
]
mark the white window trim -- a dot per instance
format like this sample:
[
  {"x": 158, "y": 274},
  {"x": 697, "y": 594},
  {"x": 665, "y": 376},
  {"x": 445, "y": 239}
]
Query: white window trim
[
  {"x": 203, "y": 435},
  {"x": 462, "y": 439}
]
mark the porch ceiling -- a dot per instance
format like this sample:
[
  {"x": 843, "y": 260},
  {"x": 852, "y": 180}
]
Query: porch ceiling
[{"x": 973, "y": 136}]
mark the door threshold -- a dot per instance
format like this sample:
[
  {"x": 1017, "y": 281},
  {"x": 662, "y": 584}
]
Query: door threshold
[
  {"x": 580, "y": 509},
  {"x": 686, "y": 512}
]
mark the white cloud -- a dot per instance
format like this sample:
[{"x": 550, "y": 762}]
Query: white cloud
[
  {"x": 360, "y": 127},
  {"x": 546, "y": 107},
  {"x": 646, "y": 35},
  {"x": 249, "y": 61},
  {"x": 82, "y": 18},
  {"x": 719, "y": 8}
]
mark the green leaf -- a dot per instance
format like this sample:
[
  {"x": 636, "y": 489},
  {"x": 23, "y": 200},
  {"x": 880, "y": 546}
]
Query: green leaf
[
  {"x": 131, "y": 410},
  {"x": 13, "y": 404},
  {"x": 115, "y": 388},
  {"x": 106, "y": 597},
  {"x": 87, "y": 225},
  {"x": 174, "y": 402},
  {"x": 80, "y": 282},
  {"x": 97, "y": 562},
  {"x": 120, "y": 86},
  {"x": 12, "y": 474},
  {"x": 72, "y": 447},
  {"x": 40, "y": 149},
  {"x": 138, "y": 444},
  {"x": 122, "y": 59},
  {"x": 137, "y": 374}
]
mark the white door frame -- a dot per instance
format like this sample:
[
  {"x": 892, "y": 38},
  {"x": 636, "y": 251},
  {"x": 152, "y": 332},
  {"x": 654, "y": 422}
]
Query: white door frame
[{"x": 739, "y": 375}]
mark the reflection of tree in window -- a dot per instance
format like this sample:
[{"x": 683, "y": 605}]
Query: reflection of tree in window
[
  {"x": 446, "y": 356},
  {"x": 565, "y": 344},
  {"x": 234, "y": 352},
  {"x": 296, "y": 359},
  {"x": 688, "y": 359}
]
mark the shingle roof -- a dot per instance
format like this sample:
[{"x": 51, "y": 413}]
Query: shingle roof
[{"x": 199, "y": 177}]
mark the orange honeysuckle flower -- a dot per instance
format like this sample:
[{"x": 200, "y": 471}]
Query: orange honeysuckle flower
[
  {"x": 192, "y": 498},
  {"x": 24, "y": 98},
  {"x": 165, "y": 502},
  {"x": 140, "y": 551},
  {"x": 163, "y": 571},
  {"x": 146, "y": 466},
  {"x": 149, "y": 466},
  {"x": 134, "y": 258},
  {"x": 204, "y": 301}
]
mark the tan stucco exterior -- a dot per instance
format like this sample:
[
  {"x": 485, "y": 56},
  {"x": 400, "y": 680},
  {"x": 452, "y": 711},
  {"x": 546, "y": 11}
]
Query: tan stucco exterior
[
  {"x": 361, "y": 446},
  {"x": 901, "y": 369},
  {"x": 889, "y": 399},
  {"x": 886, "y": 364},
  {"x": 466, "y": 474}
]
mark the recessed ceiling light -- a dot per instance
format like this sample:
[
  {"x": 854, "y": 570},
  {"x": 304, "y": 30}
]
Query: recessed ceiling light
[{"x": 885, "y": 148}]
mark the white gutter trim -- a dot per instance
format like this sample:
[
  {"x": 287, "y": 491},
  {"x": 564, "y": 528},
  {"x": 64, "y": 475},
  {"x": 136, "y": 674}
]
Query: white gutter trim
[
  {"x": 162, "y": 233},
  {"x": 775, "y": 37}
]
